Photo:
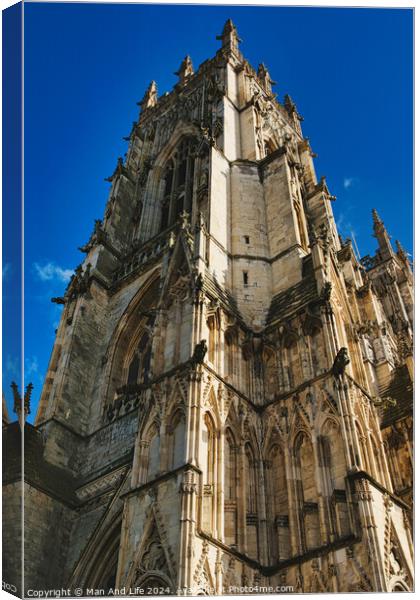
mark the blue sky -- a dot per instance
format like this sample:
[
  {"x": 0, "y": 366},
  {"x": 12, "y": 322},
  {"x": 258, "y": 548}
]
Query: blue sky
[{"x": 86, "y": 66}]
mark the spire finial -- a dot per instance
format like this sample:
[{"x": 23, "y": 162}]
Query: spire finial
[
  {"x": 229, "y": 37},
  {"x": 185, "y": 71},
  {"x": 376, "y": 219},
  {"x": 150, "y": 97},
  {"x": 378, "y": 225}
]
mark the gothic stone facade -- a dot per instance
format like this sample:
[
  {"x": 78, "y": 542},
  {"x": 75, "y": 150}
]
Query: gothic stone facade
[{"x": 228, "y": 402}]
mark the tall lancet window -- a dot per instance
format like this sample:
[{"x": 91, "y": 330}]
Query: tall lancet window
[
  {"x": 251, "y": 502},
  {"x": 138, "y": 370},
  {"x": 308, "y": 509},
  {"x": 166, "y": 202},
  {"x": 176, "y": 441},
  {"x": 335, "y": 470},
  {"x": 209, "y": 474},
  {"x": 230, "y": 489},
  {"x": 301, "y": 227},
  {"x": 178, "y": 183},
  {"x": 154, "y": 455},
  {"x": 278, "y": 505}
]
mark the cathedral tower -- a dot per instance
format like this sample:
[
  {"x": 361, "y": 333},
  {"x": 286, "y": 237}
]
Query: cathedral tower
[{"x": 227, "y": 378}]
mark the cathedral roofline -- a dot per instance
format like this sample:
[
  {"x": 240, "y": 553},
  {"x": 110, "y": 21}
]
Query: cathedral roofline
[{"x": 152, "y": 104}]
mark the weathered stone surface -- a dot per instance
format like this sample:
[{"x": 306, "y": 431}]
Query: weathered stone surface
[{"x": 193, "y": 433}]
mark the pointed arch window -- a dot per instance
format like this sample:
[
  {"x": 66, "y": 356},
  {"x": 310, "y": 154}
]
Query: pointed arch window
[
  {"x": 99, "y": 569},
  {"x": 376, "y": 466},
  {"x": 139, "y": 367},
  {"x": 301, "y": 227},
  {"x": 230, "y": 474},
  {"x": 166, "y": 202},
  {"x": 178, "y": 183},
  {"x": 133, "y": 370},
  {"x": 209, "y": 474},
  {"x": 363, "y": 461},
  {"x": 176, "y": 441},
  {"x": 251, "y": 502},
  {"x": 308, "y": 510},
  {"x": 230, "y": 353},
  {"x": 211, "y": 324},
  {"x": 153, "y": 462},
  {"x": 335, "y": 469},
  {"x": 169, "y": 176},
  {"x": 278, "y": 509}
]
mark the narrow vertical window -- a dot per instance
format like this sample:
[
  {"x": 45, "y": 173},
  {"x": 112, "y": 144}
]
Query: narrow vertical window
[
  {"x": 251, "y": 503},
  {"x": 212, "y": 340},
  {"x": 230, "y": 490},
  {"x": 133, "y": 370},
  {"x": 209, "y": 466},
  {"x": 177, "y": 441},
  {"x": 334, "y": 462},
  {"x": 168, "y": 179},
  {"x": 279, "y": 509},
  {"x": 308, "y": 509}
]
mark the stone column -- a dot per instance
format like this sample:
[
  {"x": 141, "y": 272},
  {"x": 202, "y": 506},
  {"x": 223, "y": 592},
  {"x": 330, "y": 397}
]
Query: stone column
[{"x": 188, "y": 491}]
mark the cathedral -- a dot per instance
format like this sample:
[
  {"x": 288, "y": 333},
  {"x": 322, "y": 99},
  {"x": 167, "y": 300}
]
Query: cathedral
[{"x": 228, "y": 404}]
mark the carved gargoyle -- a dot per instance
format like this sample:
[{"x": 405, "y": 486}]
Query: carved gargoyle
[
  {"x": 340, "y": 362},
  {"x": 384, "y": 402},
  {"x": 200, "y": 351}
]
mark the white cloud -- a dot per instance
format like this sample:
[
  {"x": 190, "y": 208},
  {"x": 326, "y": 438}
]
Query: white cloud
[
  {"x": 7, "y": 268},
  {"x": 32, "y": 372},
  {"x": 50, "y": 271},
  {"x": 348, "y": 182},
  {"x": 344, "y": 225},
  {"x": 340, "y": 221},
  {"x": 31, "y": 366},
  {"x": 12, "y": 366}
]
